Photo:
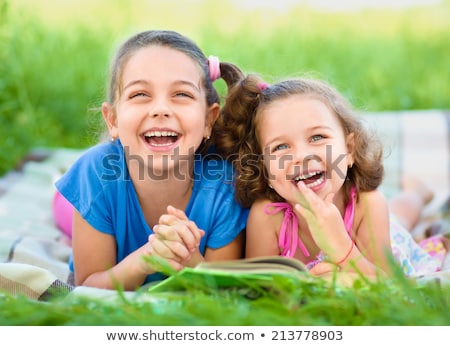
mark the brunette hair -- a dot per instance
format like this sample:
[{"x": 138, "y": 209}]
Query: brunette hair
[
  {"x": 236, "y": 134},
  {"x": 172, "y": 39}
]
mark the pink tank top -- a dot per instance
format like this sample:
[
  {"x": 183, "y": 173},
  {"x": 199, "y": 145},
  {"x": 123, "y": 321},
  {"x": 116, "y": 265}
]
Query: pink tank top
[{"x": 289, "y": 240}]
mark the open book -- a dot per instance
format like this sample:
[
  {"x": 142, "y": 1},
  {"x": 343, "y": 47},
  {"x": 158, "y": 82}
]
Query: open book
[{"x": 258, "y": 272}]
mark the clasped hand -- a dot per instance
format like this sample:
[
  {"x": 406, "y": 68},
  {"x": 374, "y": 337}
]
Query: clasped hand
[{"x": 176, "y": 239}]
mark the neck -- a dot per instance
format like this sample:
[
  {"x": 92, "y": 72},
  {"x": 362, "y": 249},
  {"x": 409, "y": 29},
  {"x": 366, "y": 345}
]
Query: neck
[{"x": 156, "y": 194}]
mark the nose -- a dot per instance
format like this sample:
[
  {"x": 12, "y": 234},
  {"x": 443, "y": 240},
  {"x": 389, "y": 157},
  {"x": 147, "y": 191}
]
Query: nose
[
  {"x": 160, "y": 107},
  {"x": 304, "y": 155}
]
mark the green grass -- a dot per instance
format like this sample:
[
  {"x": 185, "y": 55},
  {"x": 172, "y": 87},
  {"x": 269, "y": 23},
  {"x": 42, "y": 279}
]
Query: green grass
[
  {"x": 55, "y": 57},
  {"x": 294, "y": 303}
]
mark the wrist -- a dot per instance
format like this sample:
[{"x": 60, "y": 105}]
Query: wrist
[
  {"x": 195, "y": 259},
  {"x": 346, "y": 256}
]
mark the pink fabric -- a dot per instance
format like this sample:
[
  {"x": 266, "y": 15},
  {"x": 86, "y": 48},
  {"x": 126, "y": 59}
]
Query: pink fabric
[
  {"x": 214, "y": 68},
  {"x": 435, "y": 247},
  {"x": 349, "y": 213},
  {"x": 289, "y": 240},
  {"x": 62, "y": 213}
]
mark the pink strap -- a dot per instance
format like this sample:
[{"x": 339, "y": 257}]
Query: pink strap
[
  {"x": 349, "y": 213},
  {"x": 214, "y": 68},
  {"x": 289, "y": 239}
]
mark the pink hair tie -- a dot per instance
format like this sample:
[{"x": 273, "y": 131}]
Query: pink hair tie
[
  {"x": 263, "y": 85},
  {"x": 214, "y": 68}
]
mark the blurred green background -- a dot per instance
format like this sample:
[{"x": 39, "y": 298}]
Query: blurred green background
[{"x": 54, "y": 56}]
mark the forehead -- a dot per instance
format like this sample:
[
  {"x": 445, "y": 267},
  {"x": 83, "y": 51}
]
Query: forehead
[
  {"x": 297, "y": 111},
  {"x": 160, "y": 61}
]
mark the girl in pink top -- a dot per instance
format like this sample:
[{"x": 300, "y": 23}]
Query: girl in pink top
[{"x": 310, "y": 170}]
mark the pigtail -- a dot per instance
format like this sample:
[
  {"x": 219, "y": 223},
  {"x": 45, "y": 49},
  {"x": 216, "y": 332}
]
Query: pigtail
[
  {"x": 234, "y": 127},
  {"x": 234, "y": 133}
]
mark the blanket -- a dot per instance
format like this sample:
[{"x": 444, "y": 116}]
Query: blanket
[{"x": 34, "y": 253}]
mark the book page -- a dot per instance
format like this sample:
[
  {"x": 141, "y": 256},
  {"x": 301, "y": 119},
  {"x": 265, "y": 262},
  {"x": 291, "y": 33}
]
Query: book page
[{"x": 270, "y": 264}]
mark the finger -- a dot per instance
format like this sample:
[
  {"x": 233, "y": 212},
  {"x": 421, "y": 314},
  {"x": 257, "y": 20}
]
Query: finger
[
  {"x": 307, "y": 214},
  {"x": 196, "y": 232},
  {"x": 323, "y": 268},
  {"x": 177, "y": 212},
  {"x": 184, "y": 232},
  {"x": 169, "y": 250},
  {"x": 312, "y": 200},
  {"x": 305, "y": 196},
  {"x": 168, "y": 219},
  {"x": 151, "y": 266},
  {"x": 167, "y": 232},
  {"x": 160, "y": 249},
  {"x": 329, "y": 198}
]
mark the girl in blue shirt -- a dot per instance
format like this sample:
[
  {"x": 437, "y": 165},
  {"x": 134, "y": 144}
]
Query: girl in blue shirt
[{"x": 155, "y": 189}]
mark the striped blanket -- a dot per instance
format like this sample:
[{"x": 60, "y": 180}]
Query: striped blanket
[{"x": 34, "y": 253}]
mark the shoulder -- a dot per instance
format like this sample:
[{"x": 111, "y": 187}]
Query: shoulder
[
  {"x": 258, "y": 215},
  {"x": 371, "y": 199},
  {"x": 105, "y": 160},
  {"x": 100, "y": 155},
  {"x": 372, "y": 207},
  {"x": 104, "y": 154},
  {"x": 262, "y": 230},
  {"x": 97, "y": 170}
]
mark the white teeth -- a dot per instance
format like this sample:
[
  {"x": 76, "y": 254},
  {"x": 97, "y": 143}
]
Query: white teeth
[
  {"x": 315, "y": 183},
  {"x": 307, "y": 175},
  {"x": 160, "y": 134}
]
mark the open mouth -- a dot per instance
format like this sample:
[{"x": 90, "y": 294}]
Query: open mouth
[
  {"x": 311, "y": 179},
  {"x": 161, "y": 138}
]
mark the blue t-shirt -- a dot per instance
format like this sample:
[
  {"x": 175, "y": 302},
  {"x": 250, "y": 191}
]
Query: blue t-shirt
[{"x": 98, "y": 185}]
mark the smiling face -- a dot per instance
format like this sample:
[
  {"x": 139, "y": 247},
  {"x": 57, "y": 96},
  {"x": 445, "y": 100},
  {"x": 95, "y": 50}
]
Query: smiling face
[
  {"x": 161, "y": 114},
  {"x": 302, "y": 139}
]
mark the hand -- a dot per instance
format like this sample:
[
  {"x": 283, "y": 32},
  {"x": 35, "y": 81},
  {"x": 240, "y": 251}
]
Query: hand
[
  {"x": 323, "y": 218},
  {"x": 323, "y": 268},
  {"x": 176, "y": 239}
]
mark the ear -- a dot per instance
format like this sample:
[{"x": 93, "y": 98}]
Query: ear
[
  {"x": 350, "y": 149},
  {"x": 211, "y": 116},
  {"x": 110, "y": 119}
]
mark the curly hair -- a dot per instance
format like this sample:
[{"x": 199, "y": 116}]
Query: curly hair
[{"x": 236, "y": 135}]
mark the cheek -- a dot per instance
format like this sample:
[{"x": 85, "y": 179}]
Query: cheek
[{"x": 272, "y": 166}]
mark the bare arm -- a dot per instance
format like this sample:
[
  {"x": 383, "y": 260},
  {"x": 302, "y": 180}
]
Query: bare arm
[
  {"x": 94, "y": 255},
  {"x": 372, "y": 234},
  {"x": 262, "y": 237}
]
